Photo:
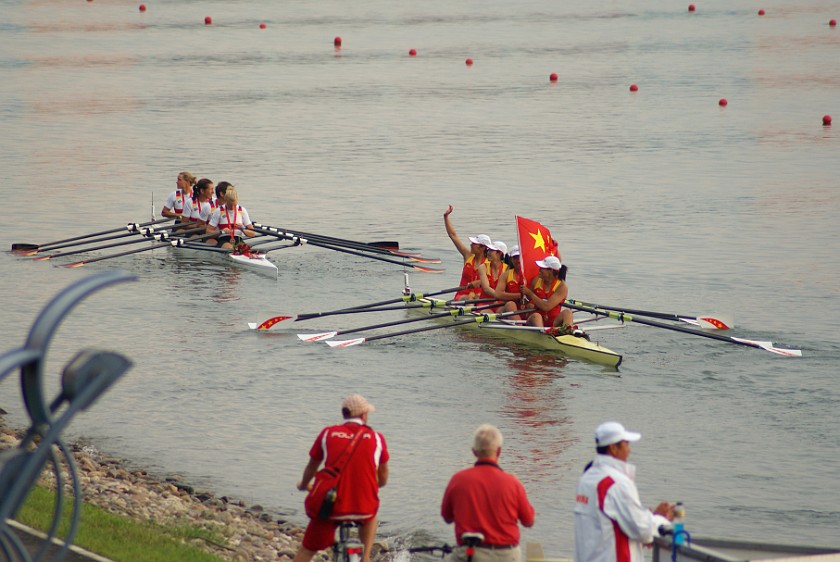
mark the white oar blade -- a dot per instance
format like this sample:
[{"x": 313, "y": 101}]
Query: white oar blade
[
  {"x": 345, "y": 343},
  {"x": 768, "y": 346},
  {"x": 317, "y": 337},
  {"x": 271, "y": 322}
]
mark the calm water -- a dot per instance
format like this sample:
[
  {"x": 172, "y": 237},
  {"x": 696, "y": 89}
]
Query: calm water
[{"x": 661, "y": 200}]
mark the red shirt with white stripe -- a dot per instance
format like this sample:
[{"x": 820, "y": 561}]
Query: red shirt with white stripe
[{"x": 358, "y": 487}]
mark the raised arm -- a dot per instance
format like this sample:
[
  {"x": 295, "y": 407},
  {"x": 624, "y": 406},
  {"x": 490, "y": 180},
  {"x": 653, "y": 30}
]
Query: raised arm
[{"x": 450, "y": 230}]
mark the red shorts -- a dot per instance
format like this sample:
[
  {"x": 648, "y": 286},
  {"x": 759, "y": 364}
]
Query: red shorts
[{"x": 320, "y": 533}]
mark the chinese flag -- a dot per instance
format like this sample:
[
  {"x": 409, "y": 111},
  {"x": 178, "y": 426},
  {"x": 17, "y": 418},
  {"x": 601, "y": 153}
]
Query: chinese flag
[{"x": 535, "y": 243}]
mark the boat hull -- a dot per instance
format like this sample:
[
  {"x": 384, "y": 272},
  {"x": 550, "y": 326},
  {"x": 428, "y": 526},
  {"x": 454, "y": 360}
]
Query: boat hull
[
  {"x": 578, "y": 347},
  {"x": 259, "y": 263}
]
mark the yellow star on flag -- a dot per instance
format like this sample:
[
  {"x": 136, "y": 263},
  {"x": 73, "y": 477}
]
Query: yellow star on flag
[{"x": 539, "y": 242}]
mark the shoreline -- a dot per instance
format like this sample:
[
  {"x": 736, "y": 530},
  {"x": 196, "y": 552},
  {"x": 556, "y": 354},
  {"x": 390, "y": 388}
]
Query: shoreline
[{"x": 251, "y": 533}]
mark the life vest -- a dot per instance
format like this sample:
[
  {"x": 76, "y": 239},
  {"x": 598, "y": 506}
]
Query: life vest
[{"x": 493, "y": 280}]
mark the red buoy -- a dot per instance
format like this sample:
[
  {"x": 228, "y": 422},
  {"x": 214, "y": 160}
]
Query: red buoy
[
  {"x": 832, "y": 23},
  {"x": 691, "y": 7},
  {"x": 469, "y": 62},
  {"x": 337, "y": 41},
  {"x": 826, "y": 120},
  {"x": 412, "y": 52},
  {"x": 634, "y": 88},
  {"x": 553, "y": 77},
  {"x": 142, "y": 7},
  {"x": 723, "y": 102},
  {"x": 761, "y": 12},
  {"x": 208, "y": 20},
  {"x": 262, "y": 26}
]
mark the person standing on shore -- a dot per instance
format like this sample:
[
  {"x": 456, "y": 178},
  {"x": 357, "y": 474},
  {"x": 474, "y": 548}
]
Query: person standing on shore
[
  {"x": 485, "y": 499},
  {"x": 358, "y": 488},
  {"x": 611, "y": 525}
]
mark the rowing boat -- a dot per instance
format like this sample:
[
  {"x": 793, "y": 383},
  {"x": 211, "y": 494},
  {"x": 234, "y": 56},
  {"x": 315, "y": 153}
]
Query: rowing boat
[
  {"x": 577, "y": 346},
  {"x": 254, "y": 261}
]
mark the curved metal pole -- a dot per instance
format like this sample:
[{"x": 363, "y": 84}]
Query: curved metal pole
[{"x": 43, "y": 330}]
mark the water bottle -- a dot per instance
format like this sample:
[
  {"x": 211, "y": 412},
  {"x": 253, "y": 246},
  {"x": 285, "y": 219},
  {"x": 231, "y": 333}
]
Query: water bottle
[{"x": 679, "y": 523}]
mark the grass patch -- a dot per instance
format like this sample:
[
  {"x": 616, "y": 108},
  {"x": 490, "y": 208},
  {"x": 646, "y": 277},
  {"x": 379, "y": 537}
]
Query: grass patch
[{"x": 118, "y": 537}]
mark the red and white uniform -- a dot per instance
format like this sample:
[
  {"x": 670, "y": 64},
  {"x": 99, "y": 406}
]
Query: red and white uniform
[
  {"x": 199, "y": 212},
  {"x": 468, "y": 275},
  {"x": 230, "y": 219},
  {"x": 177, "y": 200},
  {"x": 611, "y": 525},
  {"x": 541, "y": 292},
  {"x": 358, "y": 487},
  {"x": 486, "y": 499}
]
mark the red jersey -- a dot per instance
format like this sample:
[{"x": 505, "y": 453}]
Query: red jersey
[
  {"x": 358, "y": 488},
  {"x": 468, "y": 275},
  {"x": 548, "y": 317},
  {"x": 493, "y": 279},
  {"x": 488, "y": 500}
]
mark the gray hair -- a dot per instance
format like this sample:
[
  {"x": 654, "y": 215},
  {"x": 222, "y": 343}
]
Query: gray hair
[{"x": 487, "y": 440}]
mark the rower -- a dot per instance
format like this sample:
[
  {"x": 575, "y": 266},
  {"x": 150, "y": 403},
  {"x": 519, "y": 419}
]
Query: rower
[
  {"x": 507, "y": 289},
  {"x": 474, "y": 255},
  {"x": 230, "y": 222},
  {"x": 490, "y": 273},
  {"x": 547, "y": 293},
  {"x": 200, "y": 207},
  {"x": 178, "y": 199}
]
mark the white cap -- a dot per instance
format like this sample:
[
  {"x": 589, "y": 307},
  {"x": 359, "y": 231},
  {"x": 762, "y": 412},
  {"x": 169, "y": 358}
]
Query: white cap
[
  {"x": 357, "y": 405},
  {"x": 550, "y": 262},
  {"x": 609, "y": 433},
  {"x": 514, "y": 250},
  {"x": 499, "y": 246},
  {"x": 481, "y": 240}
]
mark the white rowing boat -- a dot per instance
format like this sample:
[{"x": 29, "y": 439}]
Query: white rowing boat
[
  {"x": 255, "y": 261},
  {"x": 576, "y": 346}
]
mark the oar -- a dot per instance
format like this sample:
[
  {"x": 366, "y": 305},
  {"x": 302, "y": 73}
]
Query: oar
[
  {"x": 284, "y": 236},
  {"x": 334, "y": 243},
  {"x": 413, "y": 297},
  {"x": 146, "y": 236},
  {"x": 479, "y": 318},
  {"x": 703, "y": 320},
  {"x": 175, "y": 242},
  {"x": 622, "y": 317},
  {"x": 454, "y": 312},
  {"x": 387, "y": 245},
  {"x": 133, "y": 229},
  {"x": 24, "y": 246}
]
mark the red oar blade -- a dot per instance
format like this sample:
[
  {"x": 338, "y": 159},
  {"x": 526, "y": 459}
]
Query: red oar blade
[
  {"x": 317, "y": 337},
  {"x": 271, "y": 322},
  {"x": 420, "y": 259},
  {"x": 77, "y": 264},
  {"x": 346, "y": 343}
]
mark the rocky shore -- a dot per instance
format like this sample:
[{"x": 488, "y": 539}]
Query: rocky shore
[{"x": 250, "y": 533}]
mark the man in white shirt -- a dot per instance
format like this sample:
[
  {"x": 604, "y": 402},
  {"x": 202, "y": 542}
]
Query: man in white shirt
[{"x": 611, "y": 524}]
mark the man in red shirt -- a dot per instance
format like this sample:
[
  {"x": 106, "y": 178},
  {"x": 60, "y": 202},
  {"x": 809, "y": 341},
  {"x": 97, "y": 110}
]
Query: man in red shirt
[
  {"x": 485, "y": 499},
  {"x": 358, "y": 488}
]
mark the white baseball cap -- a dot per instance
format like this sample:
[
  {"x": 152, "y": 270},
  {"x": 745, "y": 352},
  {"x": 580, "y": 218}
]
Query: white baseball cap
[
  {"x": 514, "y": 250},
  {"x": 609, "y": 433},
  {"x": 481, "y": 240},
  {"x": 499, "y": 246},
  {"x": 550, "y": 262}
]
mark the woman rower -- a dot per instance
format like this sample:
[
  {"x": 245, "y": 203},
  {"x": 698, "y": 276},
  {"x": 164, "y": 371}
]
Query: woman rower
[
  {"x": 197, "y": 213},
  {"x": 178, "y": 199},
  {"x": 490, "y": 273},
  {"x": 547, "y": 293},
  {"x": 507, "y": 289},
  {"x": 230, "y": 222},
  {"x": 474, "y": 255}
]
